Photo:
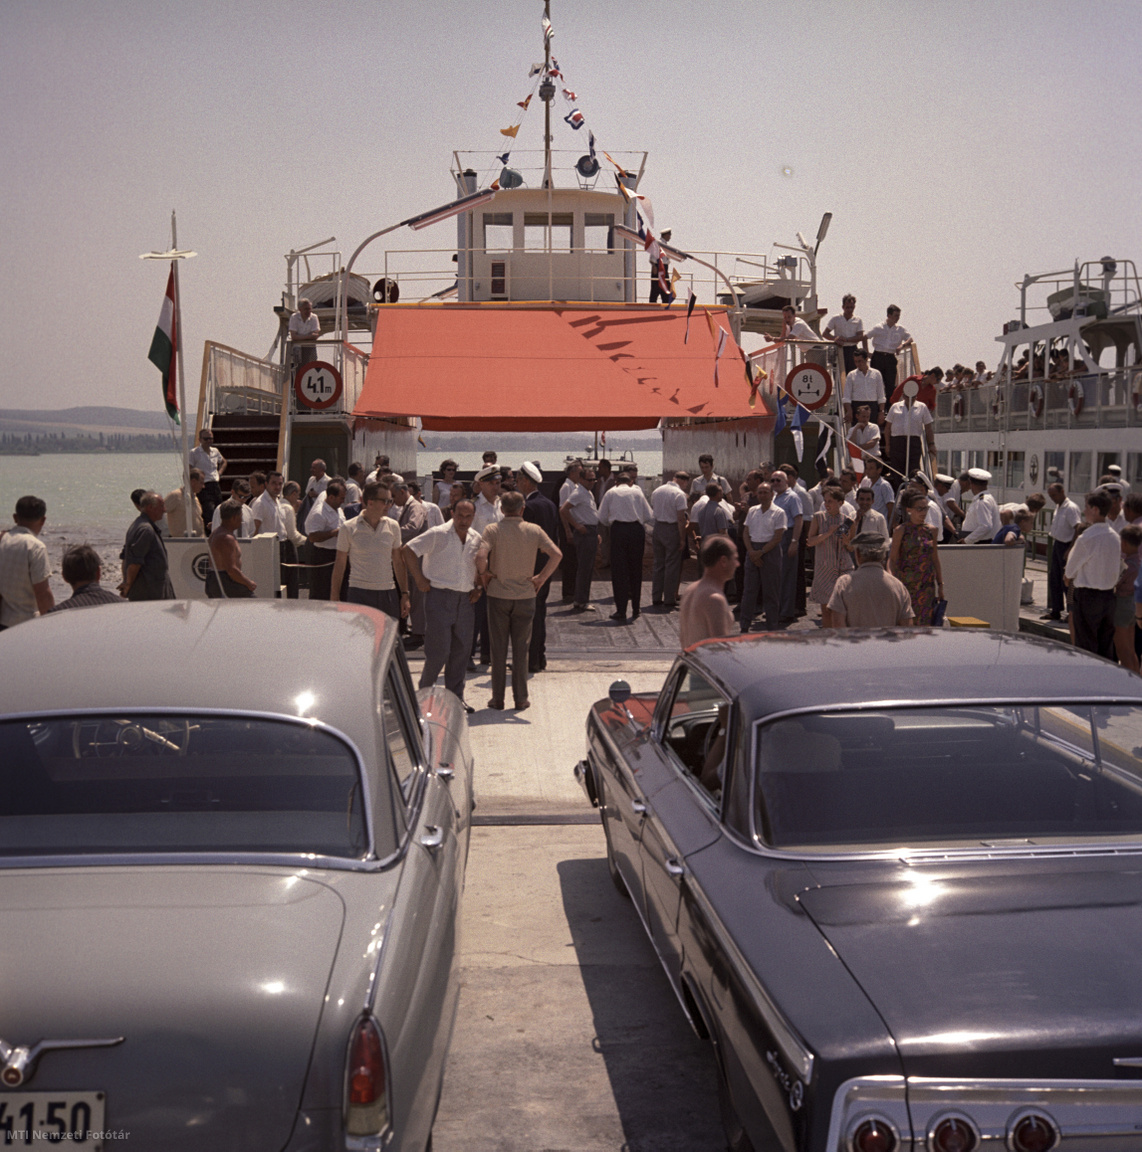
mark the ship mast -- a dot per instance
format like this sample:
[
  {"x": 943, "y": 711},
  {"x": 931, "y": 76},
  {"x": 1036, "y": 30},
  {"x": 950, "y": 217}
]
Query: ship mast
[{"x": 546, "y": 94}]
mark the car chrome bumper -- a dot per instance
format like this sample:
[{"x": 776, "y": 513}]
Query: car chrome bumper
[{"x": 1086, "y": 1113}]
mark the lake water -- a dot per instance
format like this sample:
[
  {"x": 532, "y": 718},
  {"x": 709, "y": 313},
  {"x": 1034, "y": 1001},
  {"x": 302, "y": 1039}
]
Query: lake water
[{"x": 89, "y": 495}]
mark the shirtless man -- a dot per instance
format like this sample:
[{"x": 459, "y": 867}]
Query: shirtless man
[
  {"x": 226, "y": 580},
  {"x": 704, "y": 611}
]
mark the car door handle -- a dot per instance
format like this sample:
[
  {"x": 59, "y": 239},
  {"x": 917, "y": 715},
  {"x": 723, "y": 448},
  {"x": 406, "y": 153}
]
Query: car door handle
[
  {"x": 638, "y": 808},
  {"x": 674, "y": 867},
  {"x": 433, "y": 838},
  {"x": 445, "y": 771}
]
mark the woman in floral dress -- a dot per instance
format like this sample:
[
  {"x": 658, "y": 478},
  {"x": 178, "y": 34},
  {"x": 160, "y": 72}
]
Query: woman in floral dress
[
  {"x": 830, "y": 559},
  {"x": 915, "y": 558}
]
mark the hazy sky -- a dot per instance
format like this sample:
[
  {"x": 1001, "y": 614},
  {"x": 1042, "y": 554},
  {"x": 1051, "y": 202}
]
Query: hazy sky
[{"x": 958, "y": 145}]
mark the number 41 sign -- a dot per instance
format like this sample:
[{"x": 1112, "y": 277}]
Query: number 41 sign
[{"x": 317, "y": 385}]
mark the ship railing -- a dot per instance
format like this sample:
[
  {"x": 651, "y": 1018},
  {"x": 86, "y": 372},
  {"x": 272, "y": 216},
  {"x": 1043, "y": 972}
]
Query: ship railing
[
  {"x": 235, "y": 382},
  {"x": 425, "y": 275},
  {"x": 1111, "y": 399},
  {"x": 1096, "y": 288}
]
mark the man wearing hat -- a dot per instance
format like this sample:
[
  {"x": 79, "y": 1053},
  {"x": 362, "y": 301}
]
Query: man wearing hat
[
  {"x": 982, "y": 521},
  {"x": 537, "y": 509},
  {"x": 627, "y": 511},
  {"x": 948, "y": 507}
]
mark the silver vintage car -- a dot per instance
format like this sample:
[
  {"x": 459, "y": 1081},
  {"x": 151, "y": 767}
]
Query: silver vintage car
[{"x": 232, "y": 849}]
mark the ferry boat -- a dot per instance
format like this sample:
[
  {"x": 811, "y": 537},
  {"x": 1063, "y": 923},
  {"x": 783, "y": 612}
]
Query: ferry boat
[
  {"x": 537, "y": 318},
  {"x": 1066, "y": 400}
]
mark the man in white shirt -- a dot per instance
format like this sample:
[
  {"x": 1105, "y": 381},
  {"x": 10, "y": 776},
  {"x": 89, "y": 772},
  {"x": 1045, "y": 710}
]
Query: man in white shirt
[
  {"x": 211, "y": 463},
  {"x": 764, "y": 526},
  {"x": 1066, "y": 518},
  {"x": 318, "y": 479},
  {"x": 706, "y": 476},
  {"x": 240, "y": 494},
  {"x": 864, "y": 433},
  {"x": 883, "y": 498},
  {"x": 789, "y": 501},
  {"x": 25, "y": 569},
  {"x": 354, "y": 485},
  {"x": 271, "y": 514},
  {"x": 487, "y": 511},
  {"x": 846, "y": 331},
  {"x": 906, "y": 426},
  {"x": 322, "y": 526},
  {"x": 1094, "y": 564},
  {"x": 442, "y": 562},
  {"x": 627, "y": 511},
  {"x": 370, "y": 544},
  {"x": 794, "y": 329},
  {"x": 304, "y": 328},
  {"x": 863, "y": 385},
  {"x": 581, "y": 520},
  {"x": 982, "y": 521},
  {"x": 887, "y": 340},
  {"x": 668, "y": 501}
]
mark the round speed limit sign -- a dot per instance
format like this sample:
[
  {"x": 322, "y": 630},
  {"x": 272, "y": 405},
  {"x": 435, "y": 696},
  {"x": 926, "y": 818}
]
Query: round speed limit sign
[
  {"x": 810, "y": 385},
  {"x": 317, "y": 385}
]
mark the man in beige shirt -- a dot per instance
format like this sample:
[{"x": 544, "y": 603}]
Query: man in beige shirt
[
  {"x": 870, "y": 597},
  {"x": 505, "y": 564}
]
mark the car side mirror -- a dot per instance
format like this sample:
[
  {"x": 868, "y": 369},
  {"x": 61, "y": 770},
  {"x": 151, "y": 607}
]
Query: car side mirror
[{"x": 619, "y": 692}]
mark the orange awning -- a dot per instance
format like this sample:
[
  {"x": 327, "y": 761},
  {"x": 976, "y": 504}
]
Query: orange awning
[{"x": 561, "y": 368}]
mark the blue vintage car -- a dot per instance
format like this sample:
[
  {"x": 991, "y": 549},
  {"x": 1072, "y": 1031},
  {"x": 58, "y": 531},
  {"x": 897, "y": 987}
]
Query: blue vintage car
[
  {"x": 232, "y": 847},
  {"x": 896, "y": 878}
]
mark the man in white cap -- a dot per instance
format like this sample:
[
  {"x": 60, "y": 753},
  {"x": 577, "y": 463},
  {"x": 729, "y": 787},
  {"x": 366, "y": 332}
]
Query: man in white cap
[
  {"x": 537, "y": 509},
  {"x": 627, "y": 511},
  {"x": 981, "y": 522}
]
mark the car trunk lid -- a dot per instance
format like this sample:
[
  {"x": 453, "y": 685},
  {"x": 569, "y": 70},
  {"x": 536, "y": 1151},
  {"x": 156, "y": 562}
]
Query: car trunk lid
[
  {"x": 1032, "y": 972},
  {"x": 215, "y": 977}
]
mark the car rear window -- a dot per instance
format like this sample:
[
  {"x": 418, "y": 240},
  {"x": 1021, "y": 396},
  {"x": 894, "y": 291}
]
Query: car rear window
[
  {"x": 173, "y": 783},
  {"x": 962, "y": 776}
]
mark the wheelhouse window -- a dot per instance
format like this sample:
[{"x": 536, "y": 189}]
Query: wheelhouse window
[
  {"x": 965, "y": 776},
  {"x": 128, "y": 783},
  {"x": 599, "y": 231},
  {"x": 541, "y": 231},
  {"x": 499, "y": 234}
]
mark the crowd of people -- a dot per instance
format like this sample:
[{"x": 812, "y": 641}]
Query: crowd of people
[{"x": 466, "y": 568}]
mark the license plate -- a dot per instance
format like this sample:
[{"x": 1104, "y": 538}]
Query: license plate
[{"x": 73, "y": 1119}]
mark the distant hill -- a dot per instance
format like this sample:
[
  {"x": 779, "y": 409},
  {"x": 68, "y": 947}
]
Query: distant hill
[{"x": 70, "y": 421}]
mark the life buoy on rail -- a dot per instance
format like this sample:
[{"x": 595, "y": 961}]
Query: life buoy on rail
[
  {"x": 958, "y": 408},
  {"x": 1035, "y": 400},
  {"x": 1075, "y": 397}
]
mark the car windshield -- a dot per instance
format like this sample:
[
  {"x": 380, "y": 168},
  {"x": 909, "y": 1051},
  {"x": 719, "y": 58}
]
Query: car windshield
[
  {"x": 172, "y": 783},
  {"x": 958, "y": 776}
]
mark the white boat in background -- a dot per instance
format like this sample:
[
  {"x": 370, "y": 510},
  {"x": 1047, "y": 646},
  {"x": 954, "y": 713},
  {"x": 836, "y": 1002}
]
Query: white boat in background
[{"x": 1036, "y": 422}]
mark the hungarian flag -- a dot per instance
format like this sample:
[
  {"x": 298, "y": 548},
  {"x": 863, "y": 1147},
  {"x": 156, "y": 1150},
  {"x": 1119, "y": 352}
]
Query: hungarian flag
[{"x": 164, "y": 346}]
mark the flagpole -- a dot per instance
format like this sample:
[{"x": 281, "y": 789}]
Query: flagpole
[
  {"x": 547, "y": 109},
  {"x": 187, "y": 495}
]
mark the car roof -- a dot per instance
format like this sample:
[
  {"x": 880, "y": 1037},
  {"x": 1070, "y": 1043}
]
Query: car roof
[
  {"x": 248, "y": 655},
  {"x": 776, "y": 672}
]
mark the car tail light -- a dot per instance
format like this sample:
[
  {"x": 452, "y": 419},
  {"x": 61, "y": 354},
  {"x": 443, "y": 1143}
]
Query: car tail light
[
  {"x": 1034, "y": 1133},
  {"x": 874, "y": 1135},
  {"x": 954, "y": 1134},
  {"x": 366, "y": 1081}
]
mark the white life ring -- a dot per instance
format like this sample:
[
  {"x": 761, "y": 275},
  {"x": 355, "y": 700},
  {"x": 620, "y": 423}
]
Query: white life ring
[
  {"x": 958, "y": 408},
  {"x": 1035, "y": 400},
  {"x": 1075, "y": 398}
]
